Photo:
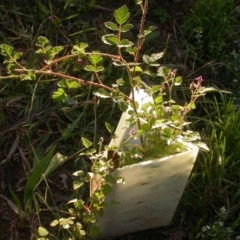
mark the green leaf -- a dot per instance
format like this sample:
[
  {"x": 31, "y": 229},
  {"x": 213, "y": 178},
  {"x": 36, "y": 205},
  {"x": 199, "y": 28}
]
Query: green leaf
[
  {"x": 158, "y": 99},
  {"x": 99, "y": 69},
  {"x": 136, "y": 69},
  {"x": 17, "y": 55},
  {"x": 110, "y": 39},
  {"x": 178, "y": 81},
  {"x": 16, "y": 201},
  {"x": 35, "y": 178},
  {"x": 148, "y": 30},
  {"x": 131, "y": 50},
  {"x": 79, "y": 48},
  {"x": 153, "y": 58},
  {"x": 95, "y": 58},
  {"x": 126, "y": 27},
  {"x": 156, "y": 56},
  {"x": 42, "y": 41},
  {"x": 6, "y": 50},
  {"x": 57, "y": 160},
  {"x": 125, "y": 43},
  {"x": 28, "y": 76},
  {"x": 69, "y": 84},
  {"x": 86, "y": 143},
  {"x": 162, "y": 71},
  {"x": 120, "y": 82},
  {"x": 138, "y": 2},
  {"x": 109, "y": 127},
  {"x": 102, "y": 93},
  {"x": 107, "y": 189},
  {"x": 191, "y": 106},
  {"x": 90, "y": 68},
  {"x": 59, "y": 95},
  {"x": 204, "y": 90},
  {"x": 56, "y": 50},
  {"x": 111, "y": 25},
  {"x": 121, "y": 15},
  {"x": 146, "y": 58},
  {"x": 77, "y": 184}
]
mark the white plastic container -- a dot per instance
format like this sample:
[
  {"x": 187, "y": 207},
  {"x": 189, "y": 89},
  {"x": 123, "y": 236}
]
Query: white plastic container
[{"x": 152, "y": 191}]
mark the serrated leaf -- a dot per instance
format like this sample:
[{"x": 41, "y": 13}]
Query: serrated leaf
[
  {"x": 99, "y": 69},
  {"x": 131, "y": 50},
  {"x": 17, "y": 55},
  {"x": 110, "y": 39},
  {"x": 121, "y": 15},
  {"x": 73, "y": 84},
  {"x": 95, "y": 58},
  {"x": 125, "y": 43},
  {"x": 6, "y": 50},
  {"x": 156, "y": 56},
  {"x": 28, "y": 76},
  {"x": 39, "y": 51},
  {"x": 126, "y": 27},
  {"x": 79, "y": 48},
  {"x": 42, "y": 41},
  {"x": 69, "y": 84},
  {"x": 111, "y": 25},
  {"x": 153, "y": 58},
  {"x": 56, "y": 50},
  {"x": 90, "y": 68},
  {"x": 146, "y": 58},
  {"x": 86, "y": 143},
  {"x": 160, "y": 72},
  {"x": 59, "y": 95}
]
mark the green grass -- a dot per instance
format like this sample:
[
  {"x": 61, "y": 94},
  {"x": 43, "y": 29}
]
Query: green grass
[
  {"x": 214, "y": 181},
  {"x": 210, "y": 30}
]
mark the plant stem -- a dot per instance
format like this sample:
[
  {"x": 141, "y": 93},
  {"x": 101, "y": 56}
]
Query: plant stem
[
  {"x": 65, "y": 76},
  {"x": 144, "y": 9}
]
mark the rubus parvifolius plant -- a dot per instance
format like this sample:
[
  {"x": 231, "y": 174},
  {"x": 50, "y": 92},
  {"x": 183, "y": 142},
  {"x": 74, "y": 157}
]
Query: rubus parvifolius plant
[{"x": 160, "y": 124}]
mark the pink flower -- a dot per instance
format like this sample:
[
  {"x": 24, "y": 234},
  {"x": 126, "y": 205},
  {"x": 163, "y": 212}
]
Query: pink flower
[
  {"x": 196, "y": 85},
  {"x": 132, "y": 132},
  {"x": 199, "y": 79}
]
